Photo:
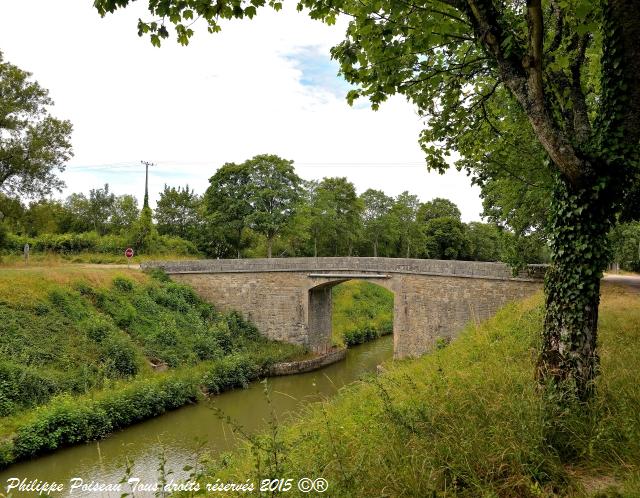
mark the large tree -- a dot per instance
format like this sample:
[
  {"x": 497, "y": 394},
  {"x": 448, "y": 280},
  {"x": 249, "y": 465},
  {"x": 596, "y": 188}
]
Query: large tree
[
  {"x": 274, "y": 193},
  {"x": 178, "y": 212},
  {"x": 377, "y": 222},
  {"x": 408, "y": 232},
  {"x": 34, "y": 145},
  {"x": 339, "y": 210},
  {"x": 226, "y": 202},
  {"x": 569, "y": 66}
]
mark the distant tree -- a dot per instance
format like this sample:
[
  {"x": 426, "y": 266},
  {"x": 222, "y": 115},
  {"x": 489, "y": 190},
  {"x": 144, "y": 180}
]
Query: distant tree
[
  {"x": 625, "y": 242},
  {"x": 227, "y": 204},
  {"x": 484, "y": 241},
  {"x": 408, "y": 232},
  {"x": 274, "y": 192},
  {"x": 34, "y": 146},
  {"x": 44, "y": 216},
  {"x": 144, "y": 235},
  {"x": 101, "y": 203},
  {"x": 124, "y": 213},
  {"x": 178, "y": 212},
  {"x": 78, "y": 217},
  {"x": 445, "y": 238},
  {"x": 376, "y": 219},
  {"x": 337, "y": 215},
  {"x": 438, "y": 208},
  {"x": 11, "y": 213}
]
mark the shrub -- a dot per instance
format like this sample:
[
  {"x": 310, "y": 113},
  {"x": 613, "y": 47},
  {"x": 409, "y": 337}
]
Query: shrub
[
  {"x": 22, "y": 386},
  {"x": 177, "y": 245},
  {"x": 4, "y": 236},
  {"x": 97, "y": 329},
  {"x": 123, "y": 284},
  {"x": 158, "y": 274},
  {"x": 69, "y": 420},
  {"x": 229, "y": 372},
  {"x": 120, "y": 358},
  {"x": 68, "y": 304}
]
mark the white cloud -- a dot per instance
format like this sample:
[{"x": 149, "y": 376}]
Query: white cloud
[{"x": 260, "y": 86}]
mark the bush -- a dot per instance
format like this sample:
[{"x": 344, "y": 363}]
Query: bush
[
  {"x": 69, "y": 420},
  {"x": 177, "y": 245},
  {"x": 4, "y": 236},
  {"x": 229, "y": 372},
  {"x": 120, "y": 358},
  {"x": 97, "y": 329},
  {"x": 122, "y": 284},
  {"x": 22, "y": 386},
  {"x": 360, "y": 335},
  {"x": 68, "y": 304}
]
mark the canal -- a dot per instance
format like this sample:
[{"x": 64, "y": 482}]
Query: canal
[{"x": 180, "y": 433}]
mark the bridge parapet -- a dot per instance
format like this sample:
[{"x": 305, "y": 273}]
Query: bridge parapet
[{"x": 435, "y": 267}]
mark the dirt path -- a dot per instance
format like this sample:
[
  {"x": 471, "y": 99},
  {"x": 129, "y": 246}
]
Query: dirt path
[{"x": 631, "y": 281}]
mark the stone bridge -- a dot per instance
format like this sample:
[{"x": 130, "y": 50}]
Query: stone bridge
[{"x": 289, "y": 299}]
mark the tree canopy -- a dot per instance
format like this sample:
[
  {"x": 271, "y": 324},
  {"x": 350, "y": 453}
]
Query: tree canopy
[{"x": 34, "y": 146}]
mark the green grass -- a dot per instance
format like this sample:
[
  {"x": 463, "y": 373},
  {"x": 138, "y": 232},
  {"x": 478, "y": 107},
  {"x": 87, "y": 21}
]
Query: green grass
[
  {"x": 16, "y": 260},
  {"x": 72, "y": 336},
  {"x": 361, "y": 311},
  {"x": 468, "y": 421}
]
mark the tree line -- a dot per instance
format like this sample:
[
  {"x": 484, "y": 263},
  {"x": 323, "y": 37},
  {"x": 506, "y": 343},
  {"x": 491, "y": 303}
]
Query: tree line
[{"x": 261, "y": 207}]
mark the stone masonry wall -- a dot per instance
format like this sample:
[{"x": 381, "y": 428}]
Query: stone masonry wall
[{"x": 290, "y": 300}]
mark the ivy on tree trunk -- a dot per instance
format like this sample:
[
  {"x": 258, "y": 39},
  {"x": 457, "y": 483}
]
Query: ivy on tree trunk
[{"x": 580, "y": 221}]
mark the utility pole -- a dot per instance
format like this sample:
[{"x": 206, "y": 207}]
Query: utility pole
[{"x": 146, "y": 183}]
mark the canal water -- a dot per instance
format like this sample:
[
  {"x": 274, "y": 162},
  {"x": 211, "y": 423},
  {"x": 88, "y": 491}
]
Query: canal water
[{"x": 179, "y": 434}]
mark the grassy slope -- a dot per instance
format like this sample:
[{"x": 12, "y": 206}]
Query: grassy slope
[
  {"x": 55, "y": 259},
  {"x": 89, "y": 333},
  {"x": 359, "y": 306},
  {"x": 466, "y": 421}
]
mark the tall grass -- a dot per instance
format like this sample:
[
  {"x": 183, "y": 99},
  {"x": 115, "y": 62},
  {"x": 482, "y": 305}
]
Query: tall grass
[
  {"x": 78, "y": 350},
  {"x": 362, "y": 311},
  {"x": 467, "y": 421}
]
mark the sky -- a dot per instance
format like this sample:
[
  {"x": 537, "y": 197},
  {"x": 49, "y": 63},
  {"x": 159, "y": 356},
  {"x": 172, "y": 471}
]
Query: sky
[{"x": 266, "y": 86}]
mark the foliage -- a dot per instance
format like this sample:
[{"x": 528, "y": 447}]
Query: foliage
[
  {"x": 144, "y": 235},
  {"x": 467, "y": 420},
  {"x": 68, "y": 421},
  {"x": 625, "y": 242},
  {"x": 376, "y": 219},
  {"x": 34, "y": 145},
  {"x": 226, "y": 202},
  {"x": 177, "y": 212},
  {"x": 90, "y": 242},
  {"x": 445, "y": 238},
  {"x": 273, "y": 194},
  {"x": 438, "y": 208},
  {"x": 362, "y": 311},
  {"x": 568, "y": 72}
]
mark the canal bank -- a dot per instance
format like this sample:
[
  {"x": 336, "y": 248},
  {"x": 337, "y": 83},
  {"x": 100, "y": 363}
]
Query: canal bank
[{"x": 182, "y": 434}]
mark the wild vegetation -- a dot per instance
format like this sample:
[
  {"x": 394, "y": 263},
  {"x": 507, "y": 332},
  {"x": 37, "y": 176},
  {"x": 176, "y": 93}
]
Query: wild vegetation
[
  {"x": 362, "y": 311},
  {"x": 85, "y": 352},
  {"x": 467, "y": 420}
]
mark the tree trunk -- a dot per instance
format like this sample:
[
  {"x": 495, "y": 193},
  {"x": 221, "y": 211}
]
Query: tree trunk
[
  {"x": 269, "y": 244},
  {"x": 580, "y": 221},
  {"x": 375, "y": 248},
  {"x": 315, "y": 247}
]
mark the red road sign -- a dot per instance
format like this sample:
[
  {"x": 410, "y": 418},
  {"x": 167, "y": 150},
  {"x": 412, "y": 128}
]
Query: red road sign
[{"x": 129, "y": 252}]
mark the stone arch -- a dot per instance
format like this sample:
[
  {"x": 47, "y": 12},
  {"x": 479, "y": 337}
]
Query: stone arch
[{"x": 320, "y": 309}]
